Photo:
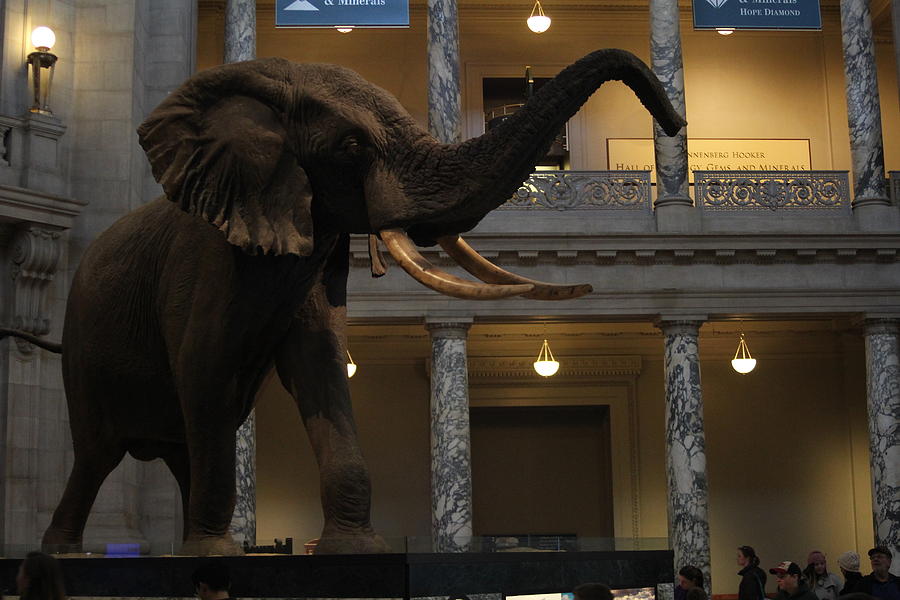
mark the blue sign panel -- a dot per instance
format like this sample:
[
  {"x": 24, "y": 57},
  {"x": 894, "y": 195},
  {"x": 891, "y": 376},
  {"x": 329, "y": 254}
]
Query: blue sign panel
[
  {"x": 333, "y": 13},
  {"x": 757, "y": 14}
]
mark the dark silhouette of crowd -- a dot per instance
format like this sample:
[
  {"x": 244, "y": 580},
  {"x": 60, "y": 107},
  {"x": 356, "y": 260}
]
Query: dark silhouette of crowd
[{"x": 814, "y": 582}]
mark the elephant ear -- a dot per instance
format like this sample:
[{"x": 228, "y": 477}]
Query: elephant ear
[{"x": 221, "y": 150}]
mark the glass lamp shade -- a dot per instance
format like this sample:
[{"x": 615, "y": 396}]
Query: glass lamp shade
[
  {"x": 742, "y": 362},
  {"x": 539, "y": 23},
  {"x": 546, "y": 365},
  {"x": 724, "y": 31},
  {"x": 344, "y": 29},
  {"x": 743, "y": 365},
  {"x": 43, "y": 38}
]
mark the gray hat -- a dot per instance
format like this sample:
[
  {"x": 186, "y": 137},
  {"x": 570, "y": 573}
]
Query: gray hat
[{"x": 849, "y": 561}]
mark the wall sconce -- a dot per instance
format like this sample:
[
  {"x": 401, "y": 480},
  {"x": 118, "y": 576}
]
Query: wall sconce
[
  {"x": 351, "y": 366},
  {"x": 538, "y": 22},
  {"x": 742, "y": 362},
  {"x": 546, "y": 365},
  {"x": 42, "y": 63}
]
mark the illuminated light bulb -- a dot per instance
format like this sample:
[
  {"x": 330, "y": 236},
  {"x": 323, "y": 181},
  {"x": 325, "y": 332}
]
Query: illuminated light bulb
[
  {"x": 742, "y": 362},
  {"x": 43, "y": 38},
  {"x": 351, "y": 366},
  {"x": 546, "y": 365},
  {"x": 538, "y": 22}
]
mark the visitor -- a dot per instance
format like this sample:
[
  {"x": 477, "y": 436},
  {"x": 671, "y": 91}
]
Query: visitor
[
  {"x": 881, "y": 583},
  {"x": 592, "y": 591},
  {"x": 791, "y": 585},
  {"x": 825, "y": 585},
  {"x": 212, "y": 581},
  {"x": 753, "y": 579},
  {"x": 40, "y": 578},
  {"x": 697, "y": 593},
  {"x": 688, "y": 577},
  {"x": 849, "y": 565}
]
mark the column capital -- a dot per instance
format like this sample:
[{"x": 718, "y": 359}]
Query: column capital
[
  {"x": 876, "y": 324},
  {"x": 448, "y": 327},
  {"x": 684, "y": 324}
]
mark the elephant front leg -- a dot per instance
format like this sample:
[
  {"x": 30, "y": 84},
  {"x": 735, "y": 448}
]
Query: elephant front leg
[{"x": 312, "y": 368}]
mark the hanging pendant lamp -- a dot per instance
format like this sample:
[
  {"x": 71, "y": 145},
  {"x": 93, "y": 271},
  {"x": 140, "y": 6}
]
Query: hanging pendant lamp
[
  {"x": 546, "y": 365},
  {"x": 742, "y": 362}
]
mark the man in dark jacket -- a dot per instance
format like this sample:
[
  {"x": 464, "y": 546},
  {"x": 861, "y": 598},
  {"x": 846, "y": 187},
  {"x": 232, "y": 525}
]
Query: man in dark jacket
[
  {"x": 880, "y": 583},
  {"x": 791, "y": 585}
]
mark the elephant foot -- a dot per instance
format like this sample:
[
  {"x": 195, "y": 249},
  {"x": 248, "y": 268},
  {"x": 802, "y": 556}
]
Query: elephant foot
[
  {"x": 364, "y": 541},
  {"x": 59, "y": 541},
  {"x": 210, "y": 545}
]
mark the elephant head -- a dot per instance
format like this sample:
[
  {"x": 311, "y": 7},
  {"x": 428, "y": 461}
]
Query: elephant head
[{"x": 265, "y": 149}]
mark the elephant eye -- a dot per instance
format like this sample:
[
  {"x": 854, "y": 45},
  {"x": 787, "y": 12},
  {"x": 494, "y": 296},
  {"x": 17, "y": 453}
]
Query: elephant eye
[{"x": 352, "y": 144}]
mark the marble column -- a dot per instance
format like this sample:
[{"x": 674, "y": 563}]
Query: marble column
[
  {"x": 240, "y": 30},
  {"x": 451, "y": 470},
  {"x": 240, "y": 44},
  {"x": 686, "y": 447},
  {"x": 870, "y": 198},
  {"x": 444, "y": 97},
  {"x": 674, "y": 207},
  {"x": 883, "y": 390}
]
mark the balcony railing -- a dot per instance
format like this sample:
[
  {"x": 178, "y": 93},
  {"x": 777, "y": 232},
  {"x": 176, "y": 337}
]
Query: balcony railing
[
  {"x": 772, "y": 191},
  {"x": 584, "y": 190}
]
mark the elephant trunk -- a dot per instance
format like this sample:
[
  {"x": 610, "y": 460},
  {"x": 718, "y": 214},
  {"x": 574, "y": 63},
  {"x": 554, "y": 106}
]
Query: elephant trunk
[{"x": 482, "y": 173}]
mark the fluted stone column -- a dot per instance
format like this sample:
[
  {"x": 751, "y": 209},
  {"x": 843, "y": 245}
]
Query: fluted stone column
[
  {"x": 240, "y": 30},
  {"x": 870, "y": 198},
  {"x": 444, "y": 97},
  {"x": 451, "y": 470},
  {"x": 674, "y": 207},
  {"x": 240, "y": 44},
  {"x": 686, "y": 447},
  {"x": 883, "y": 391}
]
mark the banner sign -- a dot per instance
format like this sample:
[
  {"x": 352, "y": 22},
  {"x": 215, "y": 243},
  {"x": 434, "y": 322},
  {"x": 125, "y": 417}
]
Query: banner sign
[
  {"x": 334, "y": 13},
  {"x": 636, "y": 154},
  {"x": 757, "y": 14}
]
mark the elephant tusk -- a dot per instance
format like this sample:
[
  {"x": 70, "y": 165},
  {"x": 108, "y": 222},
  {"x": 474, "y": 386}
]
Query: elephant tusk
[
  {"x": 404, "y": 252},
  {"x": 376, "y": 260},
  {"x": 469, "y": 259}
]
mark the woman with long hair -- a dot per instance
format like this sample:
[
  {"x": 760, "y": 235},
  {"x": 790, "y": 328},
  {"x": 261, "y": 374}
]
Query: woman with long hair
[
  {"x": 40, "y": 578},
  {"x": 826, "y": 586},
  {"x": 753, "y": 579},
  {"x": 689, "y": 577}
]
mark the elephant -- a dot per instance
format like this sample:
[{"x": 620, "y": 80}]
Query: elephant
[{"x": 179, "y": 310}]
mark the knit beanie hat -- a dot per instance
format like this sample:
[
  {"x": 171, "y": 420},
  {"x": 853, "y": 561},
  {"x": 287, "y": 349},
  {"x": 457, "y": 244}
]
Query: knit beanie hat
[{"x": 849, "y": 561}]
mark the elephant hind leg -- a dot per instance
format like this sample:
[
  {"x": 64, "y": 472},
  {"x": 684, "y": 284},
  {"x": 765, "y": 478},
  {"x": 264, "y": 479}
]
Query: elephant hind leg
[
  {"x": 179, "y": 464},
  {"x": 92, "y": 466}
]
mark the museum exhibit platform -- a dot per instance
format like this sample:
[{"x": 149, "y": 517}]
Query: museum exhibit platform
[{"x": 395, "y": 575}]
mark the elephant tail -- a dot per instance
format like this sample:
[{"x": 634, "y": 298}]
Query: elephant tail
[{"x": 54, "y": 347}]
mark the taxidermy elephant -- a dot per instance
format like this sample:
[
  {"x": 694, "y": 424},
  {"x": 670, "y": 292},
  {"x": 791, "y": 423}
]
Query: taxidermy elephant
[{"x": 180, "y": 309}]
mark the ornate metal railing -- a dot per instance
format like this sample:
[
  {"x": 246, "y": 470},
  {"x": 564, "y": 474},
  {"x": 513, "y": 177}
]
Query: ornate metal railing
[
  {"x": 772, "y": 190},
  {"x": 584, "y": 190}
]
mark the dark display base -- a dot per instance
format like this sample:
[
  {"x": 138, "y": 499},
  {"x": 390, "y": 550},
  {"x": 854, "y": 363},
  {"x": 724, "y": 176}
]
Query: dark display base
[{"x": 365, "y": 575}]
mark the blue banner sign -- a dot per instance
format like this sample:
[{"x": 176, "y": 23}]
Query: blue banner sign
[
  {"x": 333, "y": 13},
  {"x": 757, "y": 14}
]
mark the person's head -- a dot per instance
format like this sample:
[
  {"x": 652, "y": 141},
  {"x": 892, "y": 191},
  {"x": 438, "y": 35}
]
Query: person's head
[
  {"x": 690, "y": 577},
  {"x": 696, "y": 593},
  {"x": 881, "y": 559},
  {"x": 788, "y": 575},
  {"x": 747, "y": 557},
  {"x": 592, "y": 591},
  {"x": 40, "y": 578},
  {"x": 211, "y": 580},
  {"x": 849, "y": 562},
  {"x": 816, "y": 560}
]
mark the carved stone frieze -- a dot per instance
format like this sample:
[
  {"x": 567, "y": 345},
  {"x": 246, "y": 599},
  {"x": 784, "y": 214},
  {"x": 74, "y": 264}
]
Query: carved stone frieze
[{"x": 34, "y": 257}]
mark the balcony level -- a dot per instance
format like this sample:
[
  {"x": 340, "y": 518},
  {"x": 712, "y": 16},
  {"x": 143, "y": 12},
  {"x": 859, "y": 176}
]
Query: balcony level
[{"x": 760, "y": 242}]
